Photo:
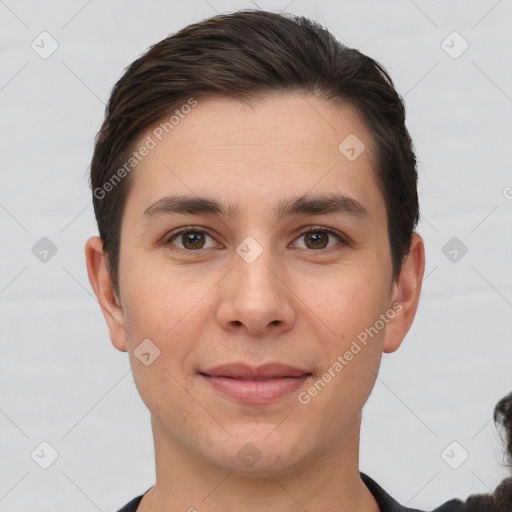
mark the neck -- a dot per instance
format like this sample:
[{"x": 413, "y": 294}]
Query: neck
[{"x": 329, "y": 480}]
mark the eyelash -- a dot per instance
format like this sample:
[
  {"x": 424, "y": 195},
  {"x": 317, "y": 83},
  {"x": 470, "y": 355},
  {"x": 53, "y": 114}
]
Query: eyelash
[{"x": 314, "y": 229}]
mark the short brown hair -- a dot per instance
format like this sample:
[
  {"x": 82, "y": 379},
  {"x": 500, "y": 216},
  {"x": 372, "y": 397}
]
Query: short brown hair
[{"x": 242, "y": 55}]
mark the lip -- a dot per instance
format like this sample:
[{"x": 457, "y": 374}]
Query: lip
[
  {"x": 256, "y": 385},
  {"x": 245, "y": 371},
  {"x": 256, "y": 392}
]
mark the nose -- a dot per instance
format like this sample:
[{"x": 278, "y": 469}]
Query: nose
[{"x": 255, "y": 297}]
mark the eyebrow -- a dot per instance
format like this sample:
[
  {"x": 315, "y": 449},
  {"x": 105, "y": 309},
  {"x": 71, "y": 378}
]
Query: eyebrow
[{"x": 312, "y": 204}]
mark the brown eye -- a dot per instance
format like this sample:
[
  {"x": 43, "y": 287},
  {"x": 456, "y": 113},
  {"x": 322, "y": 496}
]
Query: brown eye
[
  {"x": 191, "y": 239},
  {"x": 194, "y": 238},
  {"x": 318, "y": 238}
]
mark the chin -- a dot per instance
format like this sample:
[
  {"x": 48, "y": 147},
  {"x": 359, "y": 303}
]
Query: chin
[{"x": 257, "y": 454}]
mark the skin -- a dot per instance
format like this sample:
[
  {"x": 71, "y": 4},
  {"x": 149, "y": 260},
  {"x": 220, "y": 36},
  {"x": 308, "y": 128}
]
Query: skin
[{"x": 298, "y": 303}]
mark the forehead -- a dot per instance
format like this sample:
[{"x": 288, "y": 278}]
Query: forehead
[{"x": 286, "y": 144}]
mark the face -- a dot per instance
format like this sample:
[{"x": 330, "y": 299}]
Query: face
[{"x": 295, "y": 270}]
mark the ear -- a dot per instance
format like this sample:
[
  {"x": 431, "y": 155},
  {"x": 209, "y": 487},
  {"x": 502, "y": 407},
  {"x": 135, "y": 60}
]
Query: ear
[
  {"x": 406, "y": 295},
  {"x": 103, "y": 288}
]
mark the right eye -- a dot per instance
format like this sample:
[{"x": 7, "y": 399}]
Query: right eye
[{"x": 192, "y": 239}]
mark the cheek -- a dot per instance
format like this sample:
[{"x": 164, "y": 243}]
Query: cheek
[
  {"x": 159, "y": 300},
  {"x": 169, "y": 309},
  {"x": 349, "y": 310},
  {"x": 156, "y": 312},
  {"x": 352, "y": 347},
  {"x": 347, "y": 301}
]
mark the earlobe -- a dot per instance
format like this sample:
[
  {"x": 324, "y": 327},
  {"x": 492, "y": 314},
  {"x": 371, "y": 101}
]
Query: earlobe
[
  {"x": 406, "y": 293},
  {"x": 102, "y": 285}
]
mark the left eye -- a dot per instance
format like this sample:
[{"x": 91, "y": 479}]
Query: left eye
[
  {"x": 319, "y": 237},
  {"x": 194, "y": 239}
]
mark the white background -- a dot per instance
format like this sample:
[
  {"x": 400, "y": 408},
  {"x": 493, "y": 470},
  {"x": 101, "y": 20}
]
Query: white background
[{"x": 61, "y": 380}]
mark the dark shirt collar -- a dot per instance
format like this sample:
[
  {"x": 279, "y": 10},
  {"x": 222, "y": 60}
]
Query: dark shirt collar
[{"x": 384, "y": 500}]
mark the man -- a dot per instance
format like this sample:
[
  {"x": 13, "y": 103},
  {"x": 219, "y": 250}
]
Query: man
[{"x": 254, "y": 186}]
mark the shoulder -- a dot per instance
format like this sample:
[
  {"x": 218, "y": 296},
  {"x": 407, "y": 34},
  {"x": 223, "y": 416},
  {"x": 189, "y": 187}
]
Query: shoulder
[
  {"x": 455, "y": 505},
  {"x": 132, "y": 505},
  {"x": 384, "y": 500},
  {"x": 388, "y": 504}
]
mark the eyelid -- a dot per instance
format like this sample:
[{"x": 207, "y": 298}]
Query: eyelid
[
  {"x": 343, "y": 240},
  {"x": 181, "y": 231}
]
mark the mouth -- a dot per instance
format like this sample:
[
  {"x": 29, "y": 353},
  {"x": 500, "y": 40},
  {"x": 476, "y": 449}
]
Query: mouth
[
  {"x": 255, "y": 385},
  {"x": 261, "y": 379}
]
